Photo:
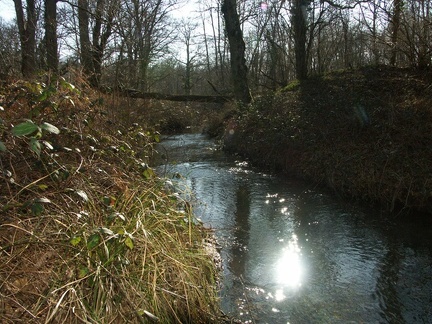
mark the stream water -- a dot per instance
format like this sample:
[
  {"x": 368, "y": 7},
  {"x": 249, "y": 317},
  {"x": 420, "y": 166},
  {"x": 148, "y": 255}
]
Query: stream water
[{"x": 293, "y": 253}]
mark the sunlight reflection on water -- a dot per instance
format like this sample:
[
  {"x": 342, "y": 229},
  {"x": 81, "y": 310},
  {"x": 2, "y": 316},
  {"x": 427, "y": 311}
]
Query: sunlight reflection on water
[
  {"x": 292, "y": 254},
  {"x": 289, "y": 269}
]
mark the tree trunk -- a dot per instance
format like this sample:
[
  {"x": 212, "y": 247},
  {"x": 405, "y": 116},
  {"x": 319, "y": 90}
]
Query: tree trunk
[
  {"x": 424, "y": 51},
  {"x": 395, "y": 25},
  {"x": 187, "y": 83},
  {"x": 299, "y": 27},
  {"x": 27, "y": 32},
  {"x": 97, "y": 48},
  {"x": 51, "y": 35},
  {"x": 83, "y": 22},
  {"x": 92, "y": 53},
  {"x": 237, "y": 50}
]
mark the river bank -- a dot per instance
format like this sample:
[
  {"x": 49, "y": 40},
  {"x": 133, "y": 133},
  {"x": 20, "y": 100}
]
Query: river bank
[
  {"x": 88, "y": 232},
  {"x": 365, "y": 133}
]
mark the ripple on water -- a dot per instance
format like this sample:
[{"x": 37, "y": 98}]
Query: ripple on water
[{"x": 292, "y": 253}]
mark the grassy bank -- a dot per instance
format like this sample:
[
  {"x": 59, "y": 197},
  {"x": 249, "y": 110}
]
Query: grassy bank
[
  {"x": 88, "y": 232},
  {"x": 364, "y": 133}
]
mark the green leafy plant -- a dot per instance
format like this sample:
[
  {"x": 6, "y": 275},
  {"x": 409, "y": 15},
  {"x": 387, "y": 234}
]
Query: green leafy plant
[
  {"x": 41, "y": 94},
  {"x": 30, "y": 128},
  {"x": 105, "y": 245}
]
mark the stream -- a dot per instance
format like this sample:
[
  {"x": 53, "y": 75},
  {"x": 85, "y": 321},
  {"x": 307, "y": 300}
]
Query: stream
[{"x": 295, "y": 253}]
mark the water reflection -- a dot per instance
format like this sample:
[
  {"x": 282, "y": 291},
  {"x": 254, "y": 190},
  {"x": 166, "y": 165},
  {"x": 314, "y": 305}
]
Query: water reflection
[
  {"x": 386, "y": 290},
  {"x": 293, "y": 254},
  {"x": 289, "y": 268},
  {"x": 241, "y": 232}
]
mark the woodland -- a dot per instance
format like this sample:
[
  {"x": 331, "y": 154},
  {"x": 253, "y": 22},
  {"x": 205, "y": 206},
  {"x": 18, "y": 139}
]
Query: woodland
[
  {"x": 142, "y": 45},
  {"x": 335, "y": 91}
]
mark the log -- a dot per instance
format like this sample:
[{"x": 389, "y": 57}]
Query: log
[{"x": 131, "y": 93}]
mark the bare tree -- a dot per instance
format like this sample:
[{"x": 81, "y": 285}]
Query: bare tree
[
  {"x": 215, "y": 43},
  {"x": 186, "y": 29},
  {"x": 395, "y": 27},
  {"x": 51, "y": 35},
  {"x": 27, "y": 31},
  {"x": 417, "y": 34},
  {"x": 299, "y": 20},
  {"x": 9, "y": 49},
  {"x": 269, "y": 45},
  {"x": 237, "y": 51},
  {"x": 102, "y": 17},
  {"x": 370, "y": 13},
  {"x": 145, "y": 33}
]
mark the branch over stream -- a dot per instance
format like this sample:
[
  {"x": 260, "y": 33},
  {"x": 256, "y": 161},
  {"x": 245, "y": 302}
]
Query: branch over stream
[{"x": 131, "y": 93}]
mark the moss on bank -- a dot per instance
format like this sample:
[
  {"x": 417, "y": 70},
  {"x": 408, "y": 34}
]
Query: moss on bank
[
  {"x": 365, "y": 133},
  {"x": 88, "y": 233}
]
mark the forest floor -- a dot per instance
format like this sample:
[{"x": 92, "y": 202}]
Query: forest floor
[
  {"x": 88, "y": 232},
  {"x": 366, "y": 133}
]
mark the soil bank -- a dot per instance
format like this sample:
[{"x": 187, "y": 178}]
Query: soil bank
[{"x": 364, "y": 133}]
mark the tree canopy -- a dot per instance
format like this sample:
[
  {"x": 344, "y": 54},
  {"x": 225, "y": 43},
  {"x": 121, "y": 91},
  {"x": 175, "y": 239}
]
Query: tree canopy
[{"x": 221, "y": 47}]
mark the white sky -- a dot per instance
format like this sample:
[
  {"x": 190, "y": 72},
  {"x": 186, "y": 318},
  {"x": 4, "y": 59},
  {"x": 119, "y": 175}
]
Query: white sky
[
  {"x": 7, "y": 9},
  {"x": 186, "y": 9}
]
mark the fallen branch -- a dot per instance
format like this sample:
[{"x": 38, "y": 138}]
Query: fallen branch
[{"x": 161, "y": 96}]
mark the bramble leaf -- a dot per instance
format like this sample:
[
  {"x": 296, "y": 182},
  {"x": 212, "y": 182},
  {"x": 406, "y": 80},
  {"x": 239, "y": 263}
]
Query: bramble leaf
[
  {"x": 107, "y": 231},
  {"x": 93, "y": 241},
  {"x": 43, "y": 200},
  {"x": 48, "y": 145},
  {"x": 36, "y": 209},
  {"x": 75, "y": 240},
  {"x": 50, "y": 128},
  {"x": 43, "y": 187},
  {"x": 68, "y": 85},
  {"x": 121, "y": 216},
  {"x": 35, "y": 145},
  {"x": 2, "y": 147},
  {"x": 149, "y": 173},
  {"x": 25, "y": 128},
  {"x": 83, "y": 195},
  {"x": 83, "y": 272},
  {"x": 129, "y": 243},
  {"x": 70, "y": 100}
]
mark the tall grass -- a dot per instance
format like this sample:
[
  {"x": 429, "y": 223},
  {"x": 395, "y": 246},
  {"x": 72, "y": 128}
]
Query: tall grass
[{"x": 88, "y": 233}]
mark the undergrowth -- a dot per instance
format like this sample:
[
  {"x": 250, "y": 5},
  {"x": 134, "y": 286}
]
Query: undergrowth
[
  {"x": 363, "y": 133},
  {"x": 88, "y": 232}
]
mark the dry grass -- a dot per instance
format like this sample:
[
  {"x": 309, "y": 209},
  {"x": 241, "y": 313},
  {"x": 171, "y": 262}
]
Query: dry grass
[{"x": 88, "y": 233}]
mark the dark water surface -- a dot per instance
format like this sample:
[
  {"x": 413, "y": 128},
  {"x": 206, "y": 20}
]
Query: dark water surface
[{"x": 295, "y": 254}]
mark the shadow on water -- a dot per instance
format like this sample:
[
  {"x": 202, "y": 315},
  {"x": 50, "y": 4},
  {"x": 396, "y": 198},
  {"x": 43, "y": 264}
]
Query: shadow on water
[
  {"x": 237, "y": 263},
  {"x": 292, "y": 253}
]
